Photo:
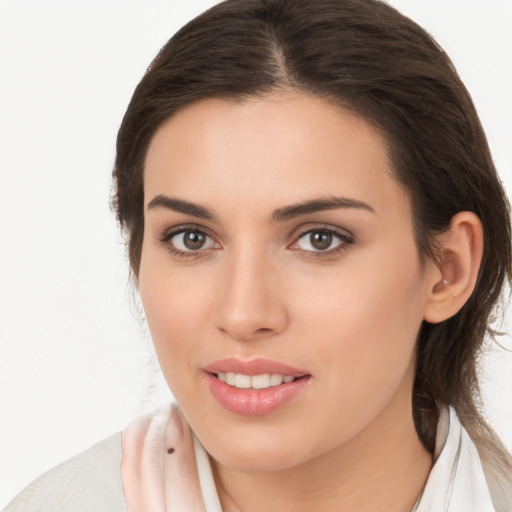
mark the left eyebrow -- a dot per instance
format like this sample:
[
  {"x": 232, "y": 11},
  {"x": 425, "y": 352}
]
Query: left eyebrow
[{"x": 318, "y": 205}]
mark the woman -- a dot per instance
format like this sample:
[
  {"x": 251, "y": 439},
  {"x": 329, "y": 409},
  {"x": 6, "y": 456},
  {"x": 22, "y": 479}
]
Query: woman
[{"x": 318, "y": 236}]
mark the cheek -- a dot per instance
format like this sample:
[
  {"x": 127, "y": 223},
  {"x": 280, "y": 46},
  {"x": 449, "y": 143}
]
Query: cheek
[
  {"x": 176, "y": 309},
  {"x": 372, "y": 291},
  {"x": 362, "y": 335},
  {"x": 364, "y": 322}
]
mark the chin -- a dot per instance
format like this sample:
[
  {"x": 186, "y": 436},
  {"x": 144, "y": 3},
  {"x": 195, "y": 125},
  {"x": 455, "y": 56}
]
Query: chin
[
  {"x": 256, "y": 459},
  {"x": 256, "y": 449}
]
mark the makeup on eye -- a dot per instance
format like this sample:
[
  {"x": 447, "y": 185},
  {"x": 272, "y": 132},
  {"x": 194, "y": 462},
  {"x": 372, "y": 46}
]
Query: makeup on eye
[
  {"x": 325, "y": 241},
  {"x": 186, "y": 241}
]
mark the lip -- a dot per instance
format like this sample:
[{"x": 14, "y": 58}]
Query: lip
[
  {"x": 254, "y": 402},
  {"x": 253, "y": 367}
]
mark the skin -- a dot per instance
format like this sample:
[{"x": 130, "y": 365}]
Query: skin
[{"x": 259, "y": 289}]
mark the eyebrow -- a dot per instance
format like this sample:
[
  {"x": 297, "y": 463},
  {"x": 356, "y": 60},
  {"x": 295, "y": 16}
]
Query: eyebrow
[
  {"x": 181, "y": 206},
  {"x": 318, "y": 205},
  {"x": 279, "y": 215}
]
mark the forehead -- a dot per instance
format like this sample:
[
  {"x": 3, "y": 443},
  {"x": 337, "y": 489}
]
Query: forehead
[{"x": 283, "y": 147}]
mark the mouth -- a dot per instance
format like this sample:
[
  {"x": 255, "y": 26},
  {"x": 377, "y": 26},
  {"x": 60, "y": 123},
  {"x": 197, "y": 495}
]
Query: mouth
[
  {"x": 254, "y": 388},
  {"x": 262, "y": 381}
]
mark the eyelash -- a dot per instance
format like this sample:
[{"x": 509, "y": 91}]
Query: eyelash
[
  {"x": 168, "y": 235},
  {"x": 345, "y": 241}
]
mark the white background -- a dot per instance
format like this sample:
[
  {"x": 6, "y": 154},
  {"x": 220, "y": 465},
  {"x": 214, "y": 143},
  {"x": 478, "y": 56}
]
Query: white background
[{"x": 75, "y": 358}]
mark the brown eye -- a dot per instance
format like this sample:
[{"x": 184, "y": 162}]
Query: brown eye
[
  {"x": 194, "y": 240},
  {"x": 322, "y": 240},
  {"x": 190, "y": 240}
]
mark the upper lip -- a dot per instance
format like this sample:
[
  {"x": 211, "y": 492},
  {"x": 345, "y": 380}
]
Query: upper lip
[{"x": 253, "y": 367}]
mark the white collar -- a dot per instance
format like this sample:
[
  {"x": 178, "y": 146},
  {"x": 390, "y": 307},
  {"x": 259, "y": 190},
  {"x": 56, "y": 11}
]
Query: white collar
[
  {"x": 206, "y": 481},
  {"x": 456, "y": 482}
]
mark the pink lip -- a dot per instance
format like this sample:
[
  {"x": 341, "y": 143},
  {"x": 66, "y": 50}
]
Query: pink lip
[
  {"x": 254, "y": 402},
  {"x": 253, "y": 367}
]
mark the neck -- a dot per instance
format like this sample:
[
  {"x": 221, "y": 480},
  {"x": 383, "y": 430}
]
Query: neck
[{"x": 383, "y": 468}]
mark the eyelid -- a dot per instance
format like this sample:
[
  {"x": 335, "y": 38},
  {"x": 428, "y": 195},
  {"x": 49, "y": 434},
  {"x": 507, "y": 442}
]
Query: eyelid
[
  {"x": 180, "y": 228},
  {"x": 346, "y": 237},
  {"x": 321, "y": 226},
  {"x": 169, "y": 233}
]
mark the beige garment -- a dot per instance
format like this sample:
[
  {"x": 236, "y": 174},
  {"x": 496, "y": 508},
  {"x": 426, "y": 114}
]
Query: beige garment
[{"x": 88, "y": 482}]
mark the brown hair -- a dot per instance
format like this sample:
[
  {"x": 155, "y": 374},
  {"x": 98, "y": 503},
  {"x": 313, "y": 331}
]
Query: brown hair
[{"x": 367, "y": 57}]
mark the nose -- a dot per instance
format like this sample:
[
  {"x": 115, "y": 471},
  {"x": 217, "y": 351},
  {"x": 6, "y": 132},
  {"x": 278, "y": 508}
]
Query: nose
[{"x": 251, "y": 300}]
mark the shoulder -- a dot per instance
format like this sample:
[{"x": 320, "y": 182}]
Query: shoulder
[{"x": 89, "y": 481}]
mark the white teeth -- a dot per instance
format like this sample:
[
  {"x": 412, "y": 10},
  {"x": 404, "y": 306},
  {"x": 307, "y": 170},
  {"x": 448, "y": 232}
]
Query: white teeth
[
  {"x": 276, "y": 379},
  {"x": 262, "y": 381},
  {"x": 242, "y": 381}
]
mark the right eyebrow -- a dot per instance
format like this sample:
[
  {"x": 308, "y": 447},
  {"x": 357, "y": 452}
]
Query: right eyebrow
[{"x": 181, "y": 206}]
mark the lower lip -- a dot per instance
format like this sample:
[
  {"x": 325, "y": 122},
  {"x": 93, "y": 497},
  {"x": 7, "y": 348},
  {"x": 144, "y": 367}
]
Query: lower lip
[{"x": 255, "y": 402}]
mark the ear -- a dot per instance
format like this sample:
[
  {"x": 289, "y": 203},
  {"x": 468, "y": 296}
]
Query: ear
[{"x": 454, "y": 280}]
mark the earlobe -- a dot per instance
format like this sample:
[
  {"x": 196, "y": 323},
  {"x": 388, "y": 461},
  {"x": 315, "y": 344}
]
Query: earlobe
[{"x": 461, "y": 249}]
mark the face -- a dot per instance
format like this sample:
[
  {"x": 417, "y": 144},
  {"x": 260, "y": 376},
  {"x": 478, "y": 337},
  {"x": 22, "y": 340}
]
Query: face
[{"x": 280, "y": 278}]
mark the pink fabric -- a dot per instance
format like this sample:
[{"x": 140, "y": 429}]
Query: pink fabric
[{"x": 153, "y": 479}]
